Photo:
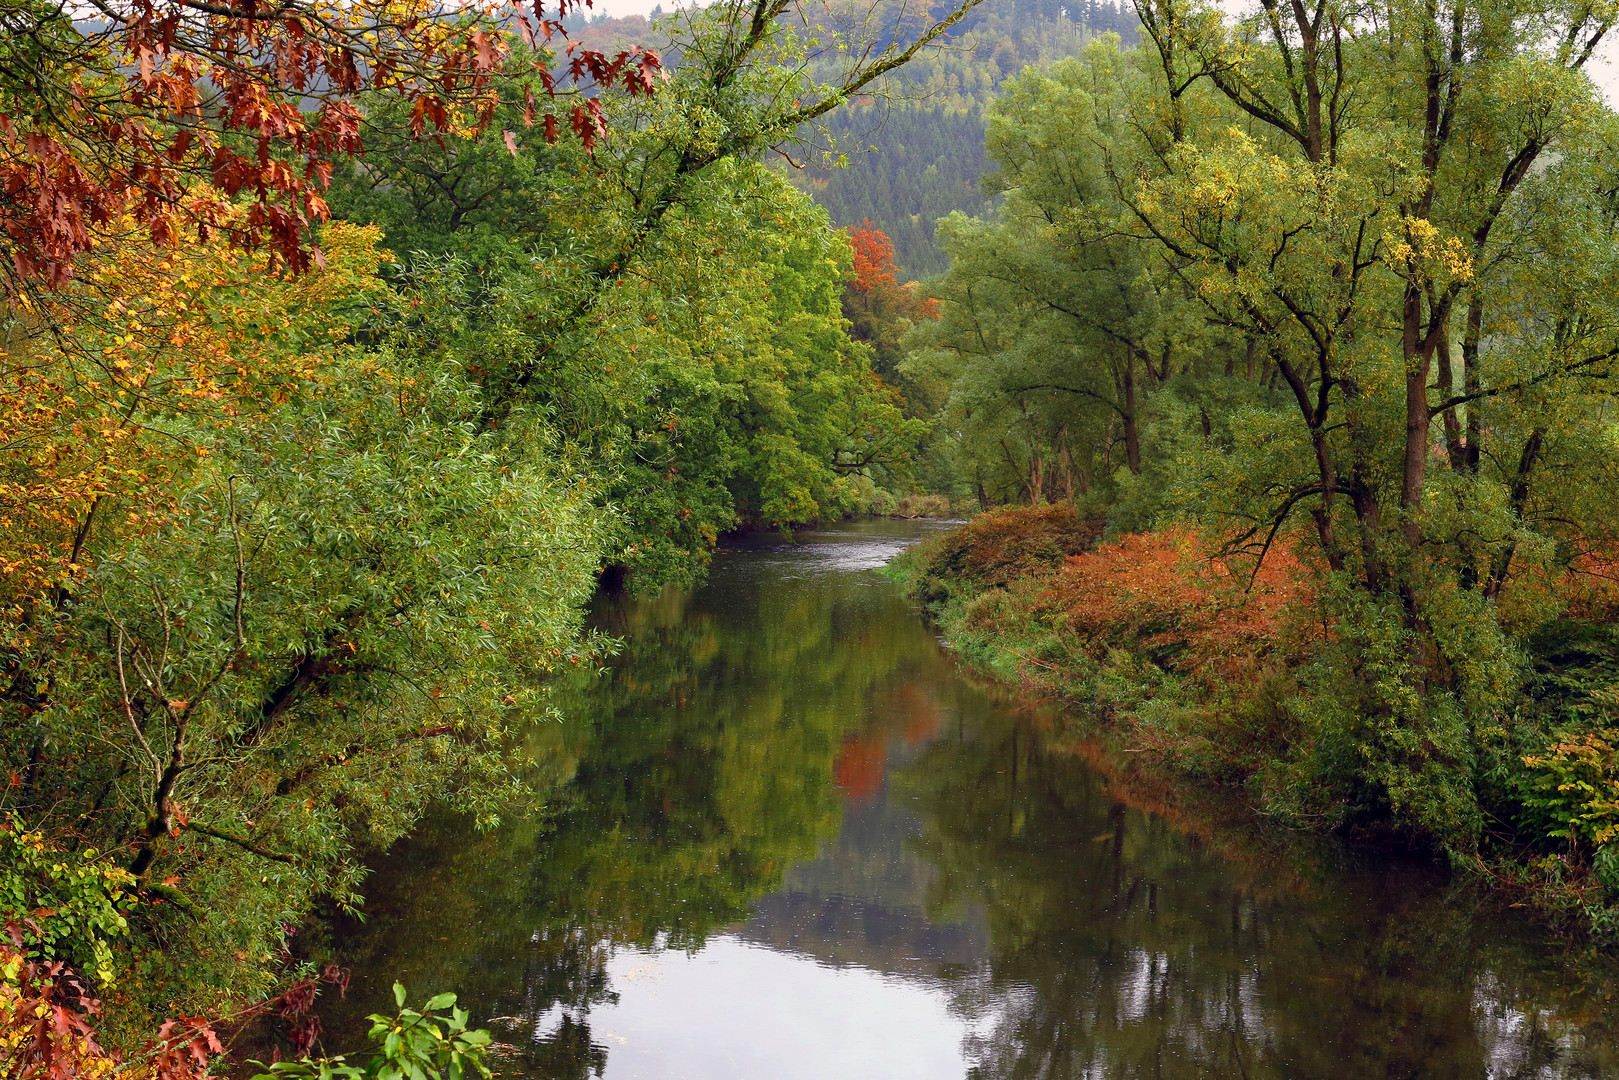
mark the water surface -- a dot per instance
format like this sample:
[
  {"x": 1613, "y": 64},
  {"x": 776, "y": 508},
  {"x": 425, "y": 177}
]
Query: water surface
[{"x": 794, "y": 841}]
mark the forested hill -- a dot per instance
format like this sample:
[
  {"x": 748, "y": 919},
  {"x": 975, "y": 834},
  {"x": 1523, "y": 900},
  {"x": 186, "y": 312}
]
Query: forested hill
[
  {"x": 910, "y": 156},
  {"x": 915, "y": 156}
]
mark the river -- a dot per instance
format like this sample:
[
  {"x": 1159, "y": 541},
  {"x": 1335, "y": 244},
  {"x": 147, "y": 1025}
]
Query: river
[{"x": 794, "y": 841}]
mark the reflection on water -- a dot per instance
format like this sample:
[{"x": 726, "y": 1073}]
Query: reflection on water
[{"x": 790, "y": 840}]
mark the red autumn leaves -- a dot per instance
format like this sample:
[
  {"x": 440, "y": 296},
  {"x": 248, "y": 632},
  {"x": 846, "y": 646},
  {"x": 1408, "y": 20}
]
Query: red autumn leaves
[{"x": 160, "y": 115}]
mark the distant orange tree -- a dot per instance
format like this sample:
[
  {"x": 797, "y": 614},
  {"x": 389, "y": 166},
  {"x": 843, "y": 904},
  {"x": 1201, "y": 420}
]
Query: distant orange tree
[{"x": 878, "y": 307}]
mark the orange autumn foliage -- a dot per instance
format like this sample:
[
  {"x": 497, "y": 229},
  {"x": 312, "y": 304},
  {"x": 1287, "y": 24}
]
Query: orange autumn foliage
[
  {"x": 876, "y": 277},
  {"x": 1590, "y": 584},
  {"x": 880, "y": 310},
  {"x": 1034, "y": 579},
  {"x": 127, "y": 110},
  {"x": 874, "y": 265},
  {"x": 1169, "y": 597},
  {"x": 47, "y": 1030}
]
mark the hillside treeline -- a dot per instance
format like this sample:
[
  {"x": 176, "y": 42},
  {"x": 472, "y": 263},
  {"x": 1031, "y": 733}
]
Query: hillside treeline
[
  {"x": 914, "y": 154},
  {"x": 910, "y": 151}
]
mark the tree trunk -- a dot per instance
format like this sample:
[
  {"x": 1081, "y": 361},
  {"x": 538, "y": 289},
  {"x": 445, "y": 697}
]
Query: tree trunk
[
  {"x": 1132, "y": 435},
  {"x": 1417, "y": 364},
  {"x": 1518, "y": 499},
  {"x": 1455, "y": 449},
  {"x": 1067, "y": 465},
  {"x": 1470, "y": 378}
]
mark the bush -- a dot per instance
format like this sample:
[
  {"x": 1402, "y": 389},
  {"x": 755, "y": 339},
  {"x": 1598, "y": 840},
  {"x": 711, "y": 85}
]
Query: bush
[
  {"x": 1185, "y": 651},
  {"x": 922, "y": 506},
  {"x": 999, "y": 547},
  {"x": 1169, "y": 599},
  {"x": 412, "y": 1046},
  {"x": 1575, "y": 785}
]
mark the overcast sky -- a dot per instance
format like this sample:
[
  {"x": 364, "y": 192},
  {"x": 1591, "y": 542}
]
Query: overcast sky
[{"x": 620, "y": 8}]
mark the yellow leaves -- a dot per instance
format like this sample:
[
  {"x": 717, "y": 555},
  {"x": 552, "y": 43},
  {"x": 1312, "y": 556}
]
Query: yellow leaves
[
  {"x": 1419, "y": 250},
  {"x": 204, "y": 331}
]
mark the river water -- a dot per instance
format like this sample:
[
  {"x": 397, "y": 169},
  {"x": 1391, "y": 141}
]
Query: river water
[{"x": 794, "y": 841}]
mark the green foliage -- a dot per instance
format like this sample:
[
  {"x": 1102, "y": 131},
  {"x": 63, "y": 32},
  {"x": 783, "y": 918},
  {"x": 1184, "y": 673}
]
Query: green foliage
[
  {"x": 699, "y": 365},
  {"x": 66, "y": 906},
  {"x": 302, "y": 554},
  {"x": 415, "y": 1045},
  {"x": 1062, "y": 339},
  {"x": 1574, "y": 787},
  {"x": 1172, "y": 313},
  {"x": 1368, "y": 746},
  {"x": 1605, "y": 864},
  {"x": 349, "y": 606}
]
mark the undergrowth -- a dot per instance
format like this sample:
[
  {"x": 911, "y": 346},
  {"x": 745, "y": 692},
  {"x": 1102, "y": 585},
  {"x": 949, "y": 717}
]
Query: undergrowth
[{"x": 1268, "y": 681}]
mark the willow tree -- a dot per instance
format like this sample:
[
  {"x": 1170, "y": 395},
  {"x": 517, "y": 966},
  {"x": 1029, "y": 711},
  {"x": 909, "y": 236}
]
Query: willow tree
[
  {"x": 290, "y": 555},
  {"x": 1408, "y": 209},
  {"x": 1057, "y": 325}
]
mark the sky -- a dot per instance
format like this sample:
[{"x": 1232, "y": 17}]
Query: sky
[
  {"x": 620, "y": 8},
  {"x": 1604, "y": 71}
]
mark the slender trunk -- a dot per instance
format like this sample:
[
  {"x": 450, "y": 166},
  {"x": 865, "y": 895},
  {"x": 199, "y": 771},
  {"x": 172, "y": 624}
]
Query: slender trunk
[
  {"x": 1325, "y": 529},
  {"x": 36, "y": 758},
  {"x": 1132, "y": 436},
  {"x": 1518, "y": 499},
  {"x": 1417, "y": 364},
  {"x": 1455, "y": 449},
  {"x": 162, "y": 805},
  {"x": 1067, "y": 466},
  {"x": 1019, "y": 474},
  {"x": 1470, "y": 378},
  {"x": 1370, "y": 516},
  {"x": 1314, "y": 407}
]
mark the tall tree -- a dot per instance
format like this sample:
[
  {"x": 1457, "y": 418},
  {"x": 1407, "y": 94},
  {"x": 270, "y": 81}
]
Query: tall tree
[{"x": 1369, "y": 199}]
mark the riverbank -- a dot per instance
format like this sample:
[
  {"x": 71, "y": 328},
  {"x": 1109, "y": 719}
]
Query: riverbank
[{"x": 1215, "y": 672}]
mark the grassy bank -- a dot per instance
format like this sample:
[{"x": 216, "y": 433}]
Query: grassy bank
[{"x": 1219, "y": 672}]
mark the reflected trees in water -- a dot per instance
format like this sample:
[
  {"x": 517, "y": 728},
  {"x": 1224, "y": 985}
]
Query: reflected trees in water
[{"x": 778, "y": 748}]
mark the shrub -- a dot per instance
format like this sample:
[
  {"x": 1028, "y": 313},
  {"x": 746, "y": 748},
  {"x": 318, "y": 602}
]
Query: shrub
[
  {"x": 999, "y": 547},
  {"x": 922, "y": 506},
  {"x": 1170, "y": 599},
  {"x": 426, "y": 1045},
  {"x": 1575, "y": 785}
]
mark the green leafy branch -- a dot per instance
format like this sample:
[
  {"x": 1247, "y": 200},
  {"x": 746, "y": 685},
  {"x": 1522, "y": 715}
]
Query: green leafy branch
[{"x": 425, "y": 1045}]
